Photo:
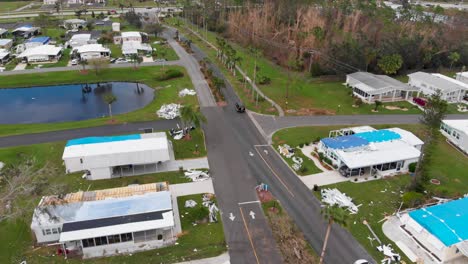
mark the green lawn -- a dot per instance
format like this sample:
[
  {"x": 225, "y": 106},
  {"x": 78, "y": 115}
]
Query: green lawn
[
  {"x": 207, "y": 238},
  {"x": 306, "y": 95},
  {"x": 9, "y": 6},
  {"x": 185, "y": 149},
  {"x": 116, "y": 50},
  {"x": 166, "y": 92},
  {"x": 384, "y": 203}
]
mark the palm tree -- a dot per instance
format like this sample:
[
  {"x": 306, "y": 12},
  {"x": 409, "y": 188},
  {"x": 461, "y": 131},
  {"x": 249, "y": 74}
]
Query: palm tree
[
  {"x": 190, "y": 116},
  {"x": 110, "y": 98},
  {"x": 163, "y": 54},
  {"x": 136, "y": 60},
  {"x": 83, "y": 64},
  {"x": 333, "y": 214}
]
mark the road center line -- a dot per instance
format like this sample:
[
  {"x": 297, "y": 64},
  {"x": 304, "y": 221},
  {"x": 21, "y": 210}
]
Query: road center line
[
  {"x": 248, "y": 234},
  {"x": 249, "y": 202},
  {"x": 274, "y": 173}
]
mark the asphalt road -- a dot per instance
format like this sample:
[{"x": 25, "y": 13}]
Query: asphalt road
[
  {"x": 62, "y": 135},
  {"x": 271, "y": 124}
]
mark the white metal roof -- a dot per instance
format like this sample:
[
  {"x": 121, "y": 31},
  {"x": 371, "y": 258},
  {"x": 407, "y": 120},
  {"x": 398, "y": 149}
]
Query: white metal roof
[
  {"x": 378, "y": 153},
  {"x": 74, "y": 21},
  {"x": 91, "y": 48},
  {"x": 464, "y": 74},
  {"x": 460, "y": 124},
  {"x": 360, "y": 129},
  {"x": 147, "y": 142},
  {"x": 26, "y": 29},
  {"x": 373, "y": 83},
  {"x": 4, "y": 53},
  {"x": 407, "y": 136},
  {"x": 130, "y": 34},
  {"x": 5, "y": 41},
  {"x": 46, "y": 50},
  {"x": 132, "y": 47},
  {"x": 457, "y": 82},
  {"x": 81, "y": 37},
  {"x": 441, "y": 83}
]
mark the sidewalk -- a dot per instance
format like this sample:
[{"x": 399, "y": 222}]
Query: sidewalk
[
  {"x": 324, "y": 178},
  {"x": 221, "y": 259},
  {"x": 307, "y": 150}
]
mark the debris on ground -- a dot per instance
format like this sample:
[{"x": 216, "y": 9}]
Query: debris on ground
[
  {"x": 334, "y": 196},
  {"x": 190, "y": 204},
  {"x": 213, "y": 213},
  {"x": 2, "y": 165},
  {"x": 391, "y": 256},
  {"x": 207, "y": 199},
  {"x": 286, "y": 150},
  {"x": 186, "y": 91},
  {"x": 169, "y": 111},
  {"x": 179, "y": 133},
  {"x": 196, "y": 175}
]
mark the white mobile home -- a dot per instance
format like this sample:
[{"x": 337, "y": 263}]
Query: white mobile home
[
  {"x": 452, "y": 90},
  {"x": 91, "y": 51},
  {"x": 134, "y": 47},
  {"x": 117, "y": 156},
  {"x": 6, "y": 43},
  {"x": 44, "y": 53},
  {"x": 462, "y": 77},
  {"x": 106, "y": 222},
  {"x": 26, "y": 31},
  {"x": 4, "y": 56},
  {"x": 372, "y": 152},
  {"x": 371, "y": 87},
  {"x": 80, "y": 40},
  {"x": 456, "y": 131}
]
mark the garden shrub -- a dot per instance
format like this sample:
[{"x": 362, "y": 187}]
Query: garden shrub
[
  {"x": 263, "y": 80},
  {"x": 412, "y": 167},
  {"x": 412, "y": 199},
  {"x": 169, "y": 74}
]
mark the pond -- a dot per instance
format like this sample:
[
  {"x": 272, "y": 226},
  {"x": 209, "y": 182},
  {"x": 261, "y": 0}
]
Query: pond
[{"x": 73, "y": 102}]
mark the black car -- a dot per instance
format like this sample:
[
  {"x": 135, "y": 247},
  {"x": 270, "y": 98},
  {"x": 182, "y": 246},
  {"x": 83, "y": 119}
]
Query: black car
[{"x": 240, "y": 108}]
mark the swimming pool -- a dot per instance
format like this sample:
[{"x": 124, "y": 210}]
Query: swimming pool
[
  {"x": 448, "y": 222},
  {"x": 59, "y": 103}
]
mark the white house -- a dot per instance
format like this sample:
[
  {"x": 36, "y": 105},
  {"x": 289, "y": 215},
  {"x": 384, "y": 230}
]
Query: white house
[
  {"x": 117, "y": 156},
  {"x": 133, "y": 36},
  {"x": 456, "y": 131},
  {"x": 44, "y": 53},
  {"x": 462, "y": 77},
  {"x": 74, "y": 23},
  {"x": 106, "y": 222},
  {"x": 134, "y": 47},
  {"x": 4, "y": 56},
  {"x": 91, "y": 51},
  {"x": 80, "y": 40},
  {"x": 439, "y": 232},
  {"x": 371, "y": 87},
  {"x": 452, "y": 90},
  {"x": 6, "y": 43},
  {"x": 3, "y": 32},
  {"x": 26, "y": 31},
  {"x": 367, "y": 151},
  {"x": 36, "y": 41}
]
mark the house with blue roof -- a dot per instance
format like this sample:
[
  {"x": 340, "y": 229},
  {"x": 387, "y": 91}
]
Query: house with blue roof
[
  {"x": 438, "y": 232},
  {"x": 37, "y": 41},
  {"x": 367, "y": 151}
]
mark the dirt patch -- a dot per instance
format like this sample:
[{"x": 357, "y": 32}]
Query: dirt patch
[
  {"x": 112, "y": 122},
  {"x": 264, "y": 196},
  {"x": 314, "y": 111},
  {"x": 391, "y": 107},
  {"x": 271, "y": 109}
]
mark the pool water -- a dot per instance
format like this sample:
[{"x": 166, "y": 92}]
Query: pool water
[{"x": 60, "y": 103}]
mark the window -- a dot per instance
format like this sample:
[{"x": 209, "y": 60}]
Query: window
[
  {"x": 113, "y": 239},
  {"x": 81, "y": 161},
  {"x": 160, "y": 237},
  {"x": 392, "y": 166},
  {"x": 126, "y": 237},
  {"x": 145, "y": 236},
  {"x": 55, "y": 231},
  {"x": 101, "y": 241},
  {"x": 385, "y": 167},
  {"x": 88, "y": 242},
  {"x": 48, "y": 232}
]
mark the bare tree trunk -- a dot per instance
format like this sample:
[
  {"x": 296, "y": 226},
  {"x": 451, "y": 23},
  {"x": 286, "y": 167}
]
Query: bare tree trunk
[
  {"x": 110, "y": 110},
  {"x": 330, "y": 222}
]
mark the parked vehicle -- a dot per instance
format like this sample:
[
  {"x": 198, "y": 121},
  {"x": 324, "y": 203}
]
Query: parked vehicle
[
  {"x": 120, "y": 60},
  {"x": 240, "y": 108},
  {"x": 420, "y": 101},
  {"x": 74, "y": 62}
]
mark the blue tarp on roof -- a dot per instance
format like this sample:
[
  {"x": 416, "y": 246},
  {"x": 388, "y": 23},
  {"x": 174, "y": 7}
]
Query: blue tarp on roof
[
  {"x": 344, "y": 142},
  {"x": 95, "y": 140},
  {"x": 447, "y": 222},
  {"x": 42, "y": 40},
  {"x": 379, "y": 135}
]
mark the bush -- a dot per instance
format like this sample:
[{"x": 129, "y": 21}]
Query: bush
[
  {"x": 327, "y": 160},
  {"x": 169, "y": 74},
  {"x": 303, "y": 169},
  {"x": 316, "y": 188},
  {"x": 412, "y": 199},
  {"x": 320, "y": 156},
  {"x": 358, "y": 102},
  {"x": 412, "y": 167},
  {"x": 301, "y": 145},
  {"x": 263, "y": 80}
]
